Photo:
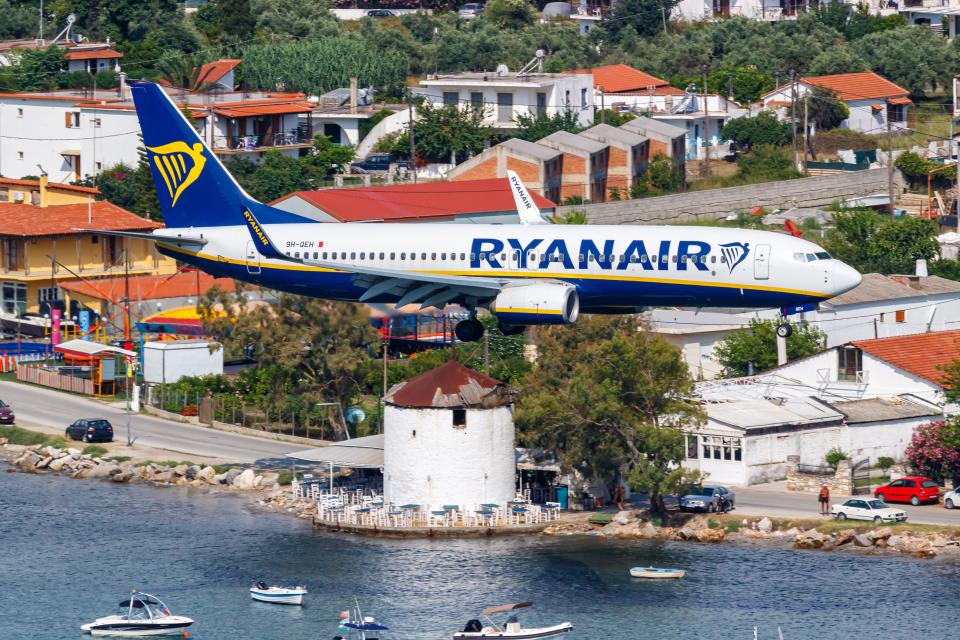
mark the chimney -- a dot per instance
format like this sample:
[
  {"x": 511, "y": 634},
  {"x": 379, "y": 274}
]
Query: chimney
[
  {"x": 922, "y": 268},
  {"x": 124, "y": 87},
  {"x": 44, "y": 180},
  {"x": 354, "y": 95}
]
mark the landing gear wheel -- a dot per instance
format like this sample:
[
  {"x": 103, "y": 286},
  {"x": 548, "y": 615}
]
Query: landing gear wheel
[
  {"x": 784, "y": 330},
  {"x": 469, "y": 330}
]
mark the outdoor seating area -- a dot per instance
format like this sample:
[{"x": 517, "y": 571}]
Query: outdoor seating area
[{"x": 345, "y": 507}]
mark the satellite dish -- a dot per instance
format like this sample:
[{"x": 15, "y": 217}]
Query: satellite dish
[
  {"x": 71, "y": 18},
  {"x": 355, "y": 415},
  {"x": 502, "y": 69},
  {"x": 540, "y": 53}
]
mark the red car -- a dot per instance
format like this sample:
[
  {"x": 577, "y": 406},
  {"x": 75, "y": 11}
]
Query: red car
[{"x": 912, "y": 489}]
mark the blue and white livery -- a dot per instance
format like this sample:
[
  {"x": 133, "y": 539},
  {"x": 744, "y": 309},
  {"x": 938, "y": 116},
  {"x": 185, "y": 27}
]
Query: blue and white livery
[{"x": 527, "y": 274}]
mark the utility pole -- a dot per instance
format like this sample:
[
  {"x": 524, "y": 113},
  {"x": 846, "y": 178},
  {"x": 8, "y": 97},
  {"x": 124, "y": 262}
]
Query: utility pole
[
  {"x": 486, "y": 353},
  {"x": 706, "y": 125},
  {"x": 806, "y": 132},
  {"x": 385, "y": 342},
  {"x": 413, "y": 144},
  {"x": 889, "y": 160},
  {"x": 603, "y": 107},
  {"x": 793, "y": 113}
]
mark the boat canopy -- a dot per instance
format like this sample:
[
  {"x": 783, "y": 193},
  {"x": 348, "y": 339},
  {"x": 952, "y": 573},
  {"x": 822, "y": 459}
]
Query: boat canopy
[
  {"x": 506, "y": 607},
  {"x": 138, "y": 603},
  {"x": 365, "y": 626}
]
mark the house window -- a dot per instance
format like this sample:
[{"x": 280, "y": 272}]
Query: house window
[
  {"x": 35, "y": 198},
  {"x": 849, "y": 363},
  {"x": 583, "y": 98},
  {"x": 14, "y": 297},
  {"x": 896, "y": 112},
  {"x": 692, "y": 447},
  {"x": 19, "y": 112},
  {"x": 96, "y": 122},
  {"x": 720, "y": 448},
  {"x": 49, "y": 294},
  {"x": 460, "y": 418},
  {"x": 4, "y": 194},
  {"x": 12, "y": 254},
  {"x": 476, "y": 101},
  {"x": 71, "y": 119},
  {"x": 901, "y": 315},
  {"x": 450, "y": 98},
  {"x": 504, "y": 107},
  {"x": 566, "y": 99},
  {"x": 19, "y": 155},
  {"x": 541, "y": 104}
]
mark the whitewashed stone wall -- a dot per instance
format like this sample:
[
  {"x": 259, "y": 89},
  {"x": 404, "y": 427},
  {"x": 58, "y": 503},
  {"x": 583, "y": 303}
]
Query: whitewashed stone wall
[{"x": 428, "y": 461}]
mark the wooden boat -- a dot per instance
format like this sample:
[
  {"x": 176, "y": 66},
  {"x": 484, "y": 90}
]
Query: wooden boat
[{"x": 656, "y": 573}]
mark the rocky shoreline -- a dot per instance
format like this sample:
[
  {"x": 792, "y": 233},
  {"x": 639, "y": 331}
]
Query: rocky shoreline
[{"x": 897, "y": 539}]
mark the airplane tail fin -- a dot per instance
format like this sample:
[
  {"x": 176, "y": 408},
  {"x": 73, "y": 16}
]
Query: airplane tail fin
[
  {"x": 526, "y": 208},
  {"x": 194, "y": 188}
]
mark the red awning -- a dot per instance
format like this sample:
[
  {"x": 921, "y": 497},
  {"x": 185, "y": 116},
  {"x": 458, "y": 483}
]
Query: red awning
[
  {"x": 876, "y": 106},
  {"x": 265, "y": 110},
  {"x": 903, "y": 100}
]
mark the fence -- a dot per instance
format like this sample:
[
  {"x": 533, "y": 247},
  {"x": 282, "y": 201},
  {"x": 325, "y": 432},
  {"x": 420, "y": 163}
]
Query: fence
[
  {"x": 10, "y": 363},
  {"x": 35, "y": 375},
  {"x": 307, "y": 421}
]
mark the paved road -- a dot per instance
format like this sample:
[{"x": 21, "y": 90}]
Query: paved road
[
  {"x": 774, "y": 500},
  {"x": 52, "y": 411}
]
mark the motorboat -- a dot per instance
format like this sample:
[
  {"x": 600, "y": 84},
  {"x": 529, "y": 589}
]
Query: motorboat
[
  {"x": 356, "y": 626},
  {"x": 656, "y": 573},
  {"x": 277, "y": 595},
  {"x": 510, "y": 627},
  {"x": 139, "y": 615}
]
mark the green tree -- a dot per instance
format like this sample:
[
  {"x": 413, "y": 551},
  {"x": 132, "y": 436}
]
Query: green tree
[
  {"x": 608, "y": 399},
  {"x": 748, "y": 82},
  {"x": 539, "y": 126},
  {"x": 295, "y": 18},
  {"x": 19, "y": 20},
  {"x": 277, "y": 175},
  {"x": 663, "y": 174},
  {"x": 763, "y": 129},
  {"x": 825, "y": 110},
  {"x": 946, "y": 268},
  {"x": 849, "y": 240},
  {"x": 645, "y": 17},
  {"x": 446, "y": 134},
  {"x": 838, "y": 59},
  {"x": 326, "y": 158},
  {"x": 121, "y": 20},
  {"x": 40, "y": 69},
  {"x": 869, "y": 243},
  {"x": 236, "y": 19},
  {"x": 756, "y": 347},
  {"x": 916, "y": 59},
  {"x": 509, "y": 14},
  {"x": 612, "y": 118},
  {"x": 118, "y": 185}
]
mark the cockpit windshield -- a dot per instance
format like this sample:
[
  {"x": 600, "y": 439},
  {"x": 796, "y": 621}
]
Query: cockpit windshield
[{"x": 811, "y": 257}]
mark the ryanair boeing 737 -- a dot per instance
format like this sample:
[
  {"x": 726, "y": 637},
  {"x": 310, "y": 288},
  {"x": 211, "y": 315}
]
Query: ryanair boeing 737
[{"x": 527, "y": 274}]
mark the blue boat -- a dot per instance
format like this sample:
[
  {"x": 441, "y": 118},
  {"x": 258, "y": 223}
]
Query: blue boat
[{"x": 656, "y": 573}]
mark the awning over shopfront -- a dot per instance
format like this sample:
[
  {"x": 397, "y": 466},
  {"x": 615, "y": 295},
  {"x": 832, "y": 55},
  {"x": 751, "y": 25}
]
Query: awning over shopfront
[{"x": 359, "y": 453}]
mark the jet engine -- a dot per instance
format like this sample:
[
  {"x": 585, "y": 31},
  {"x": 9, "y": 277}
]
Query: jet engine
[{"x": 537, "y": 303}]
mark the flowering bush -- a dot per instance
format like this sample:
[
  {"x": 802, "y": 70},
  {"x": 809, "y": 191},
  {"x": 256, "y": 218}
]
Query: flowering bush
[{"x": 934, "y": 449}]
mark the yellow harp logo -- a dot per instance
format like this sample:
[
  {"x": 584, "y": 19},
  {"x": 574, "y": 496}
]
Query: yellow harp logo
[{"x": 179, "y": 165}]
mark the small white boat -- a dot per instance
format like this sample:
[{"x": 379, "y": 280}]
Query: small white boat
[
  {"x": 277, "y": 595},
  {"x": 140, "y": 615},
  {"x": 509, "y": 628},
  {"x": 656, "y": 573}
]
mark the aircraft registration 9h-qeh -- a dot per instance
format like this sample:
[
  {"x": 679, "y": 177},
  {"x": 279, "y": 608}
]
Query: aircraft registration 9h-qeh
[{"x": 526, "y": 274}]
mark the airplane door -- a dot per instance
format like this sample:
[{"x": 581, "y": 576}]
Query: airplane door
[
  {"x": 761, "y": 262},
  {"x": 253, "y": 259}
]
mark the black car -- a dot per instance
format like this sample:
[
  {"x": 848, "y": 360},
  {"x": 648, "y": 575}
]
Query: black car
[
  {"x": 380, "y": 13},
  {"x": 379, "y": 162},
  {"x": 90, "y": 430},
  {"x": 6, "y": 413}
]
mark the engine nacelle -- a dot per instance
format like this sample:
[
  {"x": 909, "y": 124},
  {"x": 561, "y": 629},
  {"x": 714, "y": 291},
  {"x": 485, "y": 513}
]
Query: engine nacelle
[{"x": 537, "y": 303}]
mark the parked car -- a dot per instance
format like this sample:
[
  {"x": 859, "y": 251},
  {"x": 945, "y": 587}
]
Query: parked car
[
  {"x": 471, "y": 10},
  {"x": 951, "y": 499},
  {"x": 912, "y": 489},
  {"x": 866, "y": 509},
  {"x": 6, "y": 413},
  {"x": 379, "y": 162},
  {"x": 380, "y": 13},
  {"x": 91, "y": 430},
  {"x": 708, "y": 498}
]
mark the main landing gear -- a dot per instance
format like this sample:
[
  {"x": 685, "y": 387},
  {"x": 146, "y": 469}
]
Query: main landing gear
[
  {"x": 469, "y": 330},
  {"x": 784, "y": 330}
]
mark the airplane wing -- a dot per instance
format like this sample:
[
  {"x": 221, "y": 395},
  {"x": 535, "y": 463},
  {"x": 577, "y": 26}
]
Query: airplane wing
[
  {"x": 429, "y": 289},
  {"x": 528, "y": 211}
]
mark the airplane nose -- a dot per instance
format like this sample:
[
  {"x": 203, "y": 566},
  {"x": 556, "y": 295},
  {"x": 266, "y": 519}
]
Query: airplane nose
[{"x": 843, "y": 277}]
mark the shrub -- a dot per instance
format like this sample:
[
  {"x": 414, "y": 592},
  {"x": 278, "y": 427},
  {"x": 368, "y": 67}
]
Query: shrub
[
  {"x": 222, "y": 468},
  {"x": 829, "y": 142},
  {"x": 119, "y": 459},
  {"x": 764, "y": 128},
  {"x": 765, "y": 162},
  {"x": 94, "y": 450},
  {"x": 663, "y": 174},
  {"x": 884, "y": 463},
  {"x": 934, "y": 450},
  {"x": 285, "y": 477},
  {"x": 834, "y": 456}
]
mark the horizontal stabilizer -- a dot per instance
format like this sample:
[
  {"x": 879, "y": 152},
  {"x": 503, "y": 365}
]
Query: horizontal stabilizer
[{"x": 179, "y": 238}]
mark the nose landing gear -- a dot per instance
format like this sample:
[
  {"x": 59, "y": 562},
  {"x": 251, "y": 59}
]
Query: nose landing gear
[{"x": 784, "y": 330}]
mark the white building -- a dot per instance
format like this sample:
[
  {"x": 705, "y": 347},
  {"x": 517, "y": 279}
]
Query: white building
[
  {"x": 74, "y": 134},
  {"x": 167, "y": 361},
  {"x": 505, "y": 95},
  {"x": 747, "y": 441},
  {"x": 449, "y": 440},
  {"x": 91, "y": 57},
  {"x": 872, "y": 100},
  {"x": 768, "y": 10},
  {"x": 942, "y": 16}
]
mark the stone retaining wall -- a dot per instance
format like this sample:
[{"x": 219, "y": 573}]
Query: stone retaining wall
[
  {"x": 840, "y": 483},
  {"x": 712, "y": 204}
]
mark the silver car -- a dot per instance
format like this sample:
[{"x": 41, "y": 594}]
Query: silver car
[
  {"x": 867, "y": 509},
  {"x": 708, "y": 498},
  {"x": 951, "y": 499},
  {"x": 471, "y": 10}
]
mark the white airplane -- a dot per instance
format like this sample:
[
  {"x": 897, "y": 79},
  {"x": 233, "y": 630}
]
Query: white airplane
[{"x": 527, "y": 274}]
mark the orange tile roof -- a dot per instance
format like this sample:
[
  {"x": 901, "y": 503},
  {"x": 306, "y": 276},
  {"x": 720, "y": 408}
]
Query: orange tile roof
[
  {"x": 96, "y": 54},
  {"x": 919, "y": 354},
  {"x": 179, "y": 285},
  {"x": 265, "y": 110},
  {"x": 857, "y": 86},
  {"x": 657, "y": 91},
  {"x": 64, "y": 219},
  {"x": 616, "y": 78},
  {"x": 50, "y": 185},
  {"x": 214, "y": 71}
]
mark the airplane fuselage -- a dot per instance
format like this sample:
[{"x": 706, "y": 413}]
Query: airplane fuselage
[{"x": 614, "y": 268}]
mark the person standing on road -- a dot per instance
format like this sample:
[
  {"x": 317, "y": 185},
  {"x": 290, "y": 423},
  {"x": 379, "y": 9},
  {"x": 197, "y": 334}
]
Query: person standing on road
[
  {"x": 618, "y": 496},
  {"x": 824, "y": 499}
]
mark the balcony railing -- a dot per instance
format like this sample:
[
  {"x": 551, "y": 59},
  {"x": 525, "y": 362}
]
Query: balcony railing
[{"x": 242, "y": 144}]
